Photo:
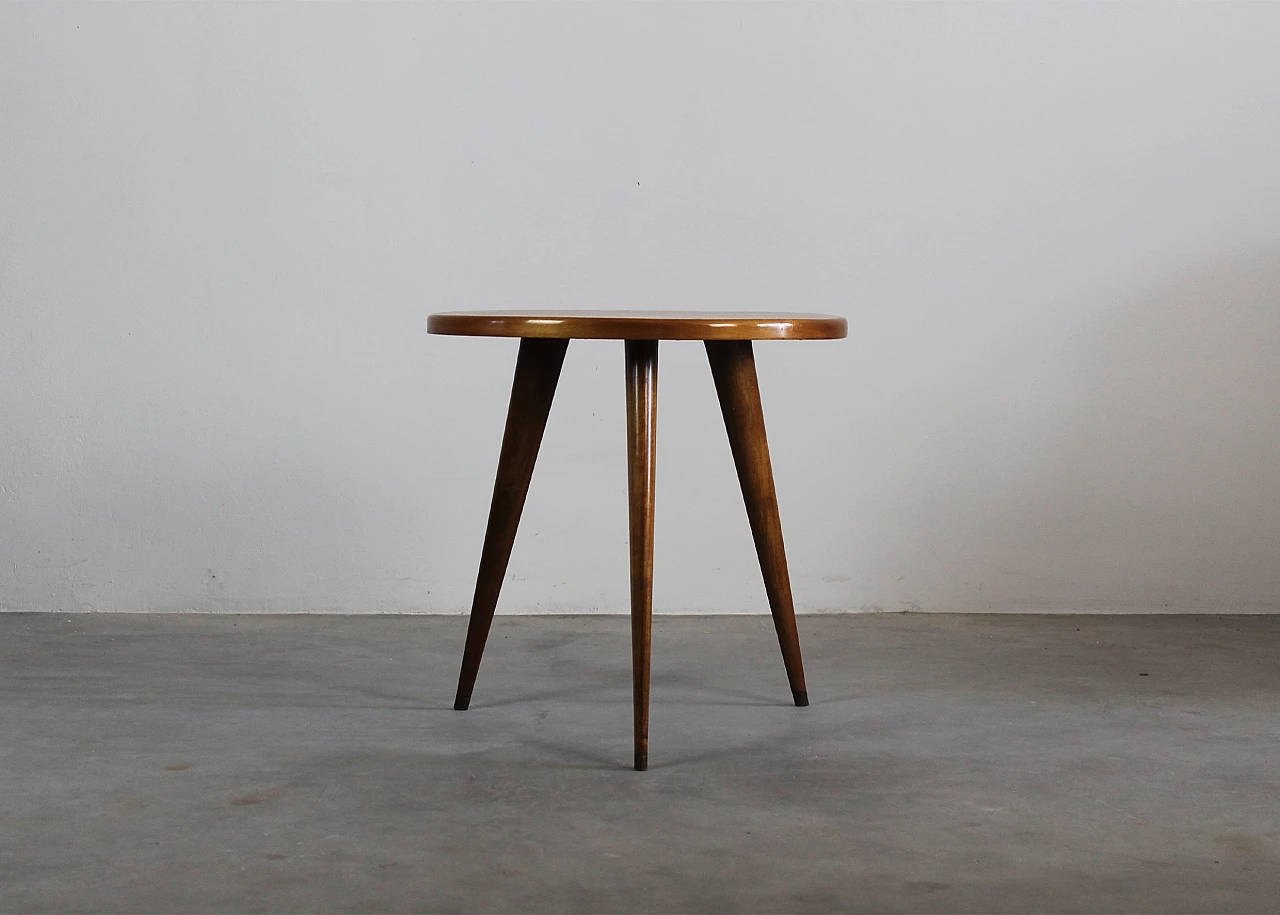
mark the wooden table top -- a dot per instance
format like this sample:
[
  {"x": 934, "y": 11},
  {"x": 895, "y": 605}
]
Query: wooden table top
[{"x": 641, "y": 325}]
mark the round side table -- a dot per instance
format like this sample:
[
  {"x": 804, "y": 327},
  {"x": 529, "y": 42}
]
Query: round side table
[{"x": 544, "y": 337}]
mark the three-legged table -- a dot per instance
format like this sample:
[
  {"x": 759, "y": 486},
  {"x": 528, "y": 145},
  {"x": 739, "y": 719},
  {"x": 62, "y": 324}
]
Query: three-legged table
[{"x": 544, "y": 337}]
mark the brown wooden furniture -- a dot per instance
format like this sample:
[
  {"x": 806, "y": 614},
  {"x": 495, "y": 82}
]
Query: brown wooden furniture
[{"x": 544, "y": 337}]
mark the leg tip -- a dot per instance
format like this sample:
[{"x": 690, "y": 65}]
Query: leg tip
[
  {"x": 802, "y": 699},
  {"x": 461, "y": 703},
  {"x": 642, "y": 760}
]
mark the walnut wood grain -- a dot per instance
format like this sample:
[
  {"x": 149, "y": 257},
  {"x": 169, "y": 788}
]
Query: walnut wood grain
[
  {"x": 545, "y": 338},
  {"x": 640, "y": 325},
  {"x": 734, "y": 369},
  {"x": 642, "y": 429},
  {"x": 537, "y": 372}
]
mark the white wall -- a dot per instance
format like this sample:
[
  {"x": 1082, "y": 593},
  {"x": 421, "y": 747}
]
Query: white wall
[{"x": 1055, "y": 231}]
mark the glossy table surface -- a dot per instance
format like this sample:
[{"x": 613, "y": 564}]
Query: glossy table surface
[{"x": 641, "y": 325}]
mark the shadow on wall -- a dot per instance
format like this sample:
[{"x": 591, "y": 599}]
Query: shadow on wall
[{"x": 1134, "y": 467}]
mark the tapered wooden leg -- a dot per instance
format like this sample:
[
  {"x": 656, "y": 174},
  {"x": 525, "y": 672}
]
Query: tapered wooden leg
[
  {"x": 734, "y": 368},
  {"x": 537, "y": 371},
  {"x": 642, "y": 428}
]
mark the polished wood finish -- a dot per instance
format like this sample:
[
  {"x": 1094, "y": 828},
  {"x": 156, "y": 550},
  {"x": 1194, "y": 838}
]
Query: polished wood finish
[
  {"x": 545, "y": 338},
  {"x": 640, "y": 325},
  {"x": 642, "y": 431},
  {"x": 733, "y": 367},
  {"x": 537, "y": 372}
]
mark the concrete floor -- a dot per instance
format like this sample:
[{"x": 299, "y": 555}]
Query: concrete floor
[{"x": 185, "y": 763}]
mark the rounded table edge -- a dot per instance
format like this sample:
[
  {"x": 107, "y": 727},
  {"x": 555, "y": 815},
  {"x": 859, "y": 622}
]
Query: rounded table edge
[{"x": 469, "y": 324}]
